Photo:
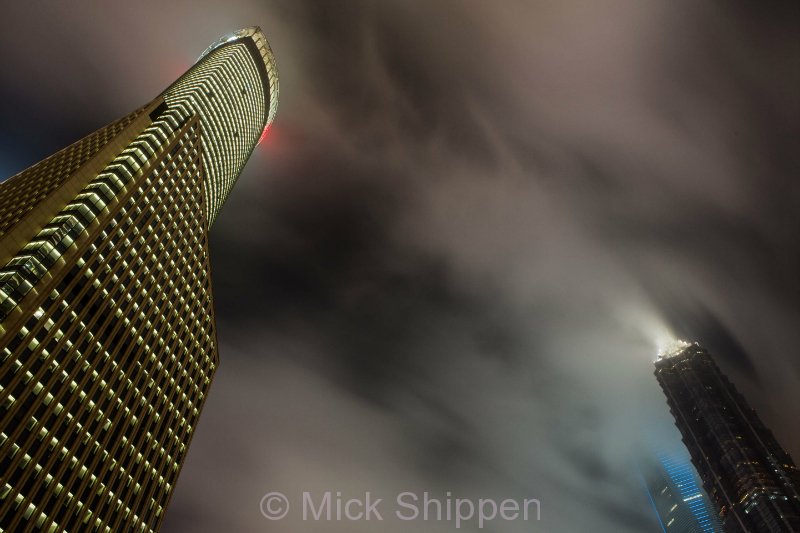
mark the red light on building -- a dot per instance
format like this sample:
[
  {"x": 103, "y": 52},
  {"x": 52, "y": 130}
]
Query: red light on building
[{"x": 264, "y": 134}]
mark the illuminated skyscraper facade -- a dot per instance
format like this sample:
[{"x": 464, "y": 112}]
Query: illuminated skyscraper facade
[
  {"x": 107, "y": 335},
  {"x": 675, "y": 492},
  {"x": 752, "y": 480}
]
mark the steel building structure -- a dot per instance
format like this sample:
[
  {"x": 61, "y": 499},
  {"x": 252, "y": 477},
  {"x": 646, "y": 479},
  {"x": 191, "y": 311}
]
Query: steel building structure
[
  {"x": 107, "y": 335},
  {"x": 752, "y": 480}
]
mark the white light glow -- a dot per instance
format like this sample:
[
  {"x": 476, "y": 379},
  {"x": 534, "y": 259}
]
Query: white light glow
[
  {"x": 672, "y": 347},
  {"x": 650, "y": 328}
]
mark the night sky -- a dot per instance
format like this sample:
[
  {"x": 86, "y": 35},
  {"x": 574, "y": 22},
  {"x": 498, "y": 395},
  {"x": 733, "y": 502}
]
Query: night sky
[{"x": 451, "y": 263}]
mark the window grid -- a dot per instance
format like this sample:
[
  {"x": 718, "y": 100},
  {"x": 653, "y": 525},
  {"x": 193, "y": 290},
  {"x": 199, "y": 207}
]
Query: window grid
[
  {"x": 168, "y": 215},
  {"x": 22, "y": 192},
  {"x": 107, "y": 335}
]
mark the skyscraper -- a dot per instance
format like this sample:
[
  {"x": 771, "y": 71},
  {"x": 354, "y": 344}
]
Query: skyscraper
[
  {"x": 673, "y": 488},
  {"x": 752, "y": 480},
  {"x": 107, "y": 335}
]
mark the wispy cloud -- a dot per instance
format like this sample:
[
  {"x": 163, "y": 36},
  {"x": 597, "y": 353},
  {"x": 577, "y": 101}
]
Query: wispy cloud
[{"x": 450, "y": 265}]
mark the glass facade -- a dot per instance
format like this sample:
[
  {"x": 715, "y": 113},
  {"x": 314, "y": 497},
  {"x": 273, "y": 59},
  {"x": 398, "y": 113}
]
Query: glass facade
[
  {"x": 23, "y": 192},
  {"x": 234, "y": 89},
  {"x": 753, "y": 482},
  {"x": 107, "y": 336},
  {"x": 675, "y": 492}
]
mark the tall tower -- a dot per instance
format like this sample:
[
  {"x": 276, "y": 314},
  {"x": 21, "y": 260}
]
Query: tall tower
[
  {"x": 752, "y": 480},
  {"x": 107, "y": 334},
  {"x": 674, "y": 491}
]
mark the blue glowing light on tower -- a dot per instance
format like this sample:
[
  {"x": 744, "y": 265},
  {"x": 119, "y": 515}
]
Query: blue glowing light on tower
[{"x": 683, "y": 477}]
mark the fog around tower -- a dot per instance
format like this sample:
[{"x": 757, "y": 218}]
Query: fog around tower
[{"x": 451, "y": 263}]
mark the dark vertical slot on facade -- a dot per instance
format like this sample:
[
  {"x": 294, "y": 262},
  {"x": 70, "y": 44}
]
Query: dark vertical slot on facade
[{"x": 158, "y": 111}]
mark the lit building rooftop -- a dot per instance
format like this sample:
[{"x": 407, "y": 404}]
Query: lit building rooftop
[{"x": 675, "y": 347}]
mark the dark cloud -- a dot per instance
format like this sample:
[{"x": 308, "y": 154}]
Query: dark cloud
[{"x": 709, "y": 331}]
